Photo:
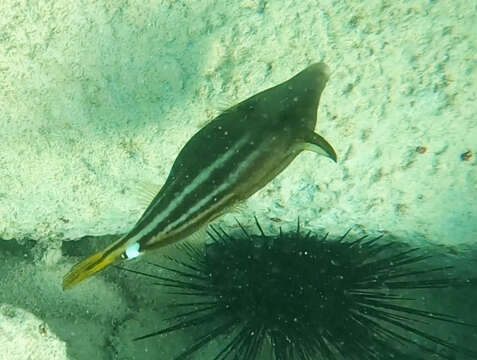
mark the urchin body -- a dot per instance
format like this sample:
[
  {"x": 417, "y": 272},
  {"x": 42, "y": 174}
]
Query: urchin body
[{"x": 298, "y": 296}]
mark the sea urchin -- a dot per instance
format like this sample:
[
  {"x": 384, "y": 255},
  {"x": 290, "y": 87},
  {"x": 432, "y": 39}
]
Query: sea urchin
[{"x": 297, "y": 296}]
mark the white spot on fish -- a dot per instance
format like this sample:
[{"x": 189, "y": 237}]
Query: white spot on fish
[{"x": 132, "y": 251}]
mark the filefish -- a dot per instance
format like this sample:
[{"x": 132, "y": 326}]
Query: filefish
[{"x": 223, "y": 164}]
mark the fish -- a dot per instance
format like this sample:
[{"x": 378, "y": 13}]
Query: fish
[{"x": 222, "y": 165}]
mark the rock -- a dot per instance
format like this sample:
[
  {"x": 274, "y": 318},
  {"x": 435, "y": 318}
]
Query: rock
[
  {"x": 93, "y": 102},
  {"x": 24, "y": 336}
]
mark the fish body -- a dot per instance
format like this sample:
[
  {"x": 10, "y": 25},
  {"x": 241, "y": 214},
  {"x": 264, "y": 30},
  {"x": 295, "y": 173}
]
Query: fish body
[{"x": 223, "y": 164}]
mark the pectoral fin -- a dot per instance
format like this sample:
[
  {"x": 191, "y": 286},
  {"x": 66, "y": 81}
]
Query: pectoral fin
[{"x": 319, "y": 145}]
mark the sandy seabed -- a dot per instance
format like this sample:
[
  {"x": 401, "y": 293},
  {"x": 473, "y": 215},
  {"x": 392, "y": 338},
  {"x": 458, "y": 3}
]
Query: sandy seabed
[{"x": 97, "y": 97}]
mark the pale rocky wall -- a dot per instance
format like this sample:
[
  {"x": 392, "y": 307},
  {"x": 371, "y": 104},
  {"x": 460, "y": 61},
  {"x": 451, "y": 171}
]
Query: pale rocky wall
[
  {"x": 24, "y": 336},
  {"x": 97, "y": 95}
]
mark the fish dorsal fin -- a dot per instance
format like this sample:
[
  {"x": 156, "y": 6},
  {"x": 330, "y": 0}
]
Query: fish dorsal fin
[
  {"x": 145, "y": 192},
  {"x": 316, "y": 143},
  {"x": 225, "y": 105}
]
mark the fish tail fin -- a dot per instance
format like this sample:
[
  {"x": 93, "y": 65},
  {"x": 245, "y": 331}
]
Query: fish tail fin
[
  {"x": 89, "y": 267},
  {"x": 316, "y": 143}
]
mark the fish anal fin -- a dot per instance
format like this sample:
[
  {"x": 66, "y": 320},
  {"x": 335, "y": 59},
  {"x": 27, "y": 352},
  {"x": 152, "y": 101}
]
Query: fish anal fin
[
  {"x": 316, "y": 143},
  {"x": 198, "y": 236},
  {"x": 201, "y": 234}
]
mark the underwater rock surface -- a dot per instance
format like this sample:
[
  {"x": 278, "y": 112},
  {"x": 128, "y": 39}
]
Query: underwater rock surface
[
  {"x": 24, "y": 336},
  {"x": 98, "y": 96},
  {"x": 43, "y": 319}
]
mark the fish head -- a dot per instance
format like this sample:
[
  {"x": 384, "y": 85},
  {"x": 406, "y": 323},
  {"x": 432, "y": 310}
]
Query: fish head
[{"x": 100, "y": 261}]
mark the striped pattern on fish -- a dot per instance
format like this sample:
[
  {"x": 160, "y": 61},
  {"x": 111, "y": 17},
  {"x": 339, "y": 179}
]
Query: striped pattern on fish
[{"x": 227, "y": 161}]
